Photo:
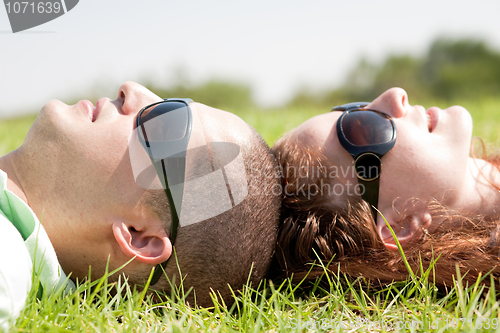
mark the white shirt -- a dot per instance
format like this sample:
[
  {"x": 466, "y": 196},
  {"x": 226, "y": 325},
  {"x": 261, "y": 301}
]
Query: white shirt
[{"x": 24, "y": 248}]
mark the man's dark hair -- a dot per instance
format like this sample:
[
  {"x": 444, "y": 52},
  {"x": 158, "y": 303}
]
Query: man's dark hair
[{"x": 237, "y": 245}]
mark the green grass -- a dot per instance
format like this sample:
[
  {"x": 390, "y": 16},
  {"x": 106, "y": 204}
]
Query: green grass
[
  {"x": 273, "y": 123},
  {"x": 339, "y": 304},
  {"x": 13, "y": 132}
]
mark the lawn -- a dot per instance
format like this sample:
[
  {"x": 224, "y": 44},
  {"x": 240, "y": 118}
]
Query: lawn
[{"x": 340, "y": 304}]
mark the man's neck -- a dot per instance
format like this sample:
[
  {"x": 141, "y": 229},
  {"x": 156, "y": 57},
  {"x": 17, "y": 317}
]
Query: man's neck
[{"x": 13, "y": 184}]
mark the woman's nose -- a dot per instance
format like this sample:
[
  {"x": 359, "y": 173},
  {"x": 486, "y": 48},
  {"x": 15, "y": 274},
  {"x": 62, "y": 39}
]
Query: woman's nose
[
  {"x": 133, "y": 97},
  {"x": 394, "y": 102}
]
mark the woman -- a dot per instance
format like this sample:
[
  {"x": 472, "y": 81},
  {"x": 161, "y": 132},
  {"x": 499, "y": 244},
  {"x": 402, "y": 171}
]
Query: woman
[{"x": 438, "y": 200}]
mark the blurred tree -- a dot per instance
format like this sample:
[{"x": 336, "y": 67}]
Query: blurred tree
[
  {"x": 465, "y": 68},
  {"x": 398, "y": 71},
  {"x": 305, "y": 97},
  {"x": 451, "y": 70},
  {"x": 215, "y": 93},
  {"x": 359, "y": 83}
]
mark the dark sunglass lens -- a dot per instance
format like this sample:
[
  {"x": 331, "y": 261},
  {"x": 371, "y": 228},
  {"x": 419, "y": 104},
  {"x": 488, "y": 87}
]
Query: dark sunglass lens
[
  {"x": 368, "y": 166},
  {"x": 363, "y": 128},
  {"x": 166, "y": 121}
]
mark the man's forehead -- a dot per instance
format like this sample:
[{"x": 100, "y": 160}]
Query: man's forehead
[
  {"x": 215, "y": 178},
  {"x": 222, "y": 126},
  {"x": 207, "y": 179}
]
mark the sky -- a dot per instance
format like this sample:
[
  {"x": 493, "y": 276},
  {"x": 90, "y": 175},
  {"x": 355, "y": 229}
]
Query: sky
[{"x": 275, "y": 46}]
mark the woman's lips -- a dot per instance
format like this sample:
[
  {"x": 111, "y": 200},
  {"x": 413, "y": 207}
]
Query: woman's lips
[{"x": 434, "y": 114}]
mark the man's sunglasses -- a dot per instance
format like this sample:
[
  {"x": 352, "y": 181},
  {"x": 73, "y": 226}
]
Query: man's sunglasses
[
  {"x": 367, "y": 135},
  {"x": 170, "y": 126}
]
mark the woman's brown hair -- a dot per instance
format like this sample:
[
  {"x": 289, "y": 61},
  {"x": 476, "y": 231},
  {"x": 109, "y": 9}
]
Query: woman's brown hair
[{"x": 317, "y": 227}]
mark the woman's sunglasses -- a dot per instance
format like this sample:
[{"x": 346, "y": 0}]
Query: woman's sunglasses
[
  {"x": 367, "y": 135},
  {"x": 170, "y": 127}
]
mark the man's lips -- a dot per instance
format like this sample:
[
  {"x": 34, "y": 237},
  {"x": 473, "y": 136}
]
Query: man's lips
[
  {"x": 89, "y": 108},
  {"x": 93, "y": 111}
]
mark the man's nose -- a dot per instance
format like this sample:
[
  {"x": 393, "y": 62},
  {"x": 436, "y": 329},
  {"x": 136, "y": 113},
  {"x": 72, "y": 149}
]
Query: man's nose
[
  {"x": 394, "y": 102},
  {"x": 133, "y": 97}
]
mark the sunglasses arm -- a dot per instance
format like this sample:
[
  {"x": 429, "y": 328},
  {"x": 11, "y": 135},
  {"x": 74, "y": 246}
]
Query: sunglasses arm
[{"x": 370, "y": 194}]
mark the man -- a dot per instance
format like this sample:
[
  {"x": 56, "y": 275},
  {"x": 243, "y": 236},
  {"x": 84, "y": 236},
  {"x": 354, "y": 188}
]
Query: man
[{"x": 80, "y": 170}]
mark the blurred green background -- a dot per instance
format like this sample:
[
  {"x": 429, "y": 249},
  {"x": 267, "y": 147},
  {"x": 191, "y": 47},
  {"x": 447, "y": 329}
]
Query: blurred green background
[{"x": 460, "y": 71}]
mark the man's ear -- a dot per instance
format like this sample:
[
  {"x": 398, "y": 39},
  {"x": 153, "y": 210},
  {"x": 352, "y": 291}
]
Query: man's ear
[
  {"x": 148, "y": 245},
  {"x": 411, "y": 228}
]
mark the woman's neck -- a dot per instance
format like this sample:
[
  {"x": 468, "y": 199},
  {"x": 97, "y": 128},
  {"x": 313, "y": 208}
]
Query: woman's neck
[{"x": 484, "y": 197}]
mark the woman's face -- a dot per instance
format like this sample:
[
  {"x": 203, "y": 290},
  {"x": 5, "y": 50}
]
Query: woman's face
[{"x": 429, "y": 160}]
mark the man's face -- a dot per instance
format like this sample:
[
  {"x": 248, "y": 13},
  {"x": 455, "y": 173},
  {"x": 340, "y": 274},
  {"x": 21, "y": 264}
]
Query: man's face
[{"x": 80, "y": 178}]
